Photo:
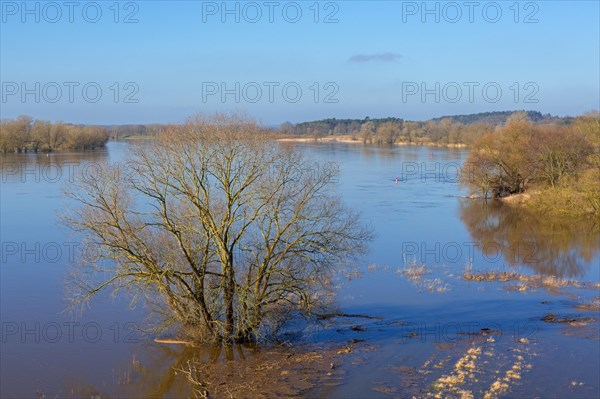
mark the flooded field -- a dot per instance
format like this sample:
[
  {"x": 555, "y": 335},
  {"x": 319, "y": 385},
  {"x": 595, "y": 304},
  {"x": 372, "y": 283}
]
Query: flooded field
[{"x": 456, "y": 298}]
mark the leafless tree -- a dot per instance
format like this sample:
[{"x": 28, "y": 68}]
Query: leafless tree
[{"x": 226, "y": 229}]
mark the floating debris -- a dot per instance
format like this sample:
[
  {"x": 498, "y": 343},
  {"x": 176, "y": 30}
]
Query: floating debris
[
  {"x": 593, "y": 306},
  {"x": 528, "y": 282},
  {"x": 416, "y": 274},
  {"x": 327, "y": 316},
  {"x": 552, "y": 318}
]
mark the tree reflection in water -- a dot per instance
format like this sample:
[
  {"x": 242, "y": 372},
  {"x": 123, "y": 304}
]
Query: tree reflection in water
[
  {"x": 549, "y": 246},
  {"x": 151, "y": 374},
  {"x": 240, "y": 371}
]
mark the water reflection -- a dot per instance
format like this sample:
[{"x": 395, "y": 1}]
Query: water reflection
[
  {"x": 47, "y": 168},
  {"x": 551, "y": 246},
  {"x": 416, "y": 210},
  {"x": 157, "y": 374},
  {"x": 153, "y": 375},
  {"x": 241, "y": 371}
]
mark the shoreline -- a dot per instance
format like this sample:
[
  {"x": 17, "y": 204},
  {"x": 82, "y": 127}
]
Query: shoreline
[
  {"x": 57, "y": 151},
  {"x": 349, "y": 140}
]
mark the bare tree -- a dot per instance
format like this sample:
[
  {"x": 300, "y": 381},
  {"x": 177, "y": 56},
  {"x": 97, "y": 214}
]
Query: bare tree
[
  {"x": 523, "y": 154},
  {"x": 23, "y": 134},
  {"x": 224, "y": 228},
  {"x": 367, "y": 131},
  {"x": 387, "y": 133}
]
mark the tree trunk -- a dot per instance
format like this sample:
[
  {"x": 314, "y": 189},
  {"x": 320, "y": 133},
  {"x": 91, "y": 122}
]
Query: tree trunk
[
  {"x": 229, "y": 295},
  {"x": 229, "y": 311}
]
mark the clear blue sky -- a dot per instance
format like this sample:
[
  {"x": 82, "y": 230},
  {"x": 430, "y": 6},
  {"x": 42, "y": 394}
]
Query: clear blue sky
[{"x": 372, "y": 58}]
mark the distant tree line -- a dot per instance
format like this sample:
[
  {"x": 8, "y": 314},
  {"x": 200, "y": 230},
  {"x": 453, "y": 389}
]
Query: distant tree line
[
  {"x": 392, "y": 130},
  {"x": 497, "y": 118},
  {"x": 332, "y": 126},
  {"x": 117, "y": 132},
  {"x": 559, "y": 163},
  {"x": 449, "y": 130},
  {"x": 26, "y": 135}
]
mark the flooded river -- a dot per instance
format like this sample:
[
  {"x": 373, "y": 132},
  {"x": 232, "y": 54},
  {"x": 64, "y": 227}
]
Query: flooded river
[{"x": 457, "y": 297}]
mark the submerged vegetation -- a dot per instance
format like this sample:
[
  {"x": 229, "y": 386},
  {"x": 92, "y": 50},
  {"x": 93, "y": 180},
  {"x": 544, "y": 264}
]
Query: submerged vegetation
[
  {"x": 526, "y": 282},
  {"x": 228, "y": 233},
  {"x": 557, "y": 166},
  {"x": 26, "y": 135},
  {"x": 273, "y": 372}
]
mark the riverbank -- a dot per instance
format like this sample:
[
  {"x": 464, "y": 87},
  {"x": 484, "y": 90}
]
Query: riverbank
[
  {"x": 518, "y": 199},
  {"x": 327, "y": 139},
  {"x": 136, "y": 137},
  {"x": 560, "y": 201},
  {"x": 351, "y": 140}
]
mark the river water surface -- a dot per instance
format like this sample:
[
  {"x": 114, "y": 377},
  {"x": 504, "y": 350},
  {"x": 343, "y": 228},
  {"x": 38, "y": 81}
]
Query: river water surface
[{"x": 531, "y": 332}]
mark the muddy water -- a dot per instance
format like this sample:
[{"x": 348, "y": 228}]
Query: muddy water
[{"x": 434, "y": 332}]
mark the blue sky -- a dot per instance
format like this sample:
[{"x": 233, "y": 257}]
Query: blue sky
[{"x": 158, "y": 61}]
